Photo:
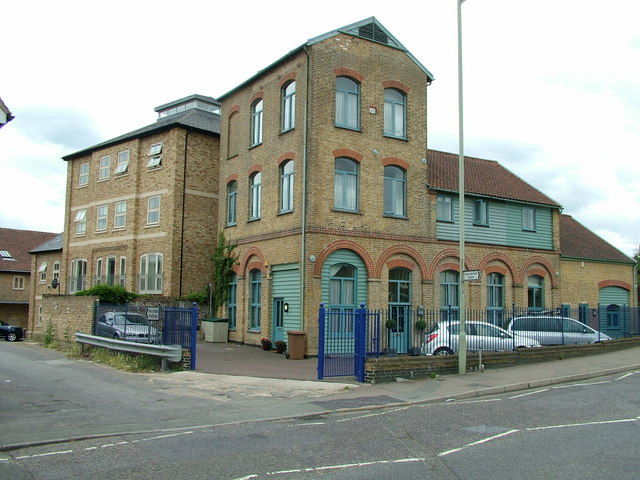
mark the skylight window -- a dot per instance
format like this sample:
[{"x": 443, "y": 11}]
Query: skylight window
[{"x": 5, "y": 254}]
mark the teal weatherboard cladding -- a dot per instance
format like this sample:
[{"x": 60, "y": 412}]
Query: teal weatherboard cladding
[{"x": 504, "y": 225}]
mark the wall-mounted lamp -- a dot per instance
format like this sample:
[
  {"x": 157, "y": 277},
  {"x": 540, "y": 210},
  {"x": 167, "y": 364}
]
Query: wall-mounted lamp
[{"x": 285, "y": 307}]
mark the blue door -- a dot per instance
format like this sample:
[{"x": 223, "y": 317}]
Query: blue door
[{"x": 278, "y": 319}]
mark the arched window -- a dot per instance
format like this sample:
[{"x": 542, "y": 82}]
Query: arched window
[
  {"x": 288, "y": 106},
  {"x": 394, "y": 113},
  {"x": 255, "y": 188},
  {"x": 232, "y": 197},
  {"x": 347, "y": 103},
  {"x": 286, "y": 186},
  {"x": 256, "y": 122},
  {"x": 395, "y": 191},
  {"x": 495, "y": 298},
  {"x": 231, "y": 301},
  {"x": 342, "y": 298},
  {"x": 255, "y": 299},
  {"x": 449, "y": 284},
  {"x": 78, "y": 275},
  {"x": 346, "y": 184},
  {"x": 535, "y": 293},
  {"x": 151, "y": 273}
]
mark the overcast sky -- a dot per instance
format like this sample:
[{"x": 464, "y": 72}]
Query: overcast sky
[{"x": 551, "y": 88}]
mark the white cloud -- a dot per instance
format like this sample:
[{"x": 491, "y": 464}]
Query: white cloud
[{"x": 550, "y": 87}]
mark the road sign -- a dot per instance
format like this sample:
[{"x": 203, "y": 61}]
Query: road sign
[{"x": 469, "y": 275}]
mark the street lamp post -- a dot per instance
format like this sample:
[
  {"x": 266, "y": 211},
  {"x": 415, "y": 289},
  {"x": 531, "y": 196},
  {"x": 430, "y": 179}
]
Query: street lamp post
[{"x": 462, "y": 347}]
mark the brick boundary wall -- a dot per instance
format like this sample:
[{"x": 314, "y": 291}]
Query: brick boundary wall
[
  {"x": 388, "y": 369},
  {"x": 67, "y": 314}
]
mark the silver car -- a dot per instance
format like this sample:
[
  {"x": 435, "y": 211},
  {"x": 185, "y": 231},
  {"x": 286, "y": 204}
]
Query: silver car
[
  {"x": 126, "y": 326},
  {"x": 443, "y": 339},
  {"x": 555, "y": 330}
]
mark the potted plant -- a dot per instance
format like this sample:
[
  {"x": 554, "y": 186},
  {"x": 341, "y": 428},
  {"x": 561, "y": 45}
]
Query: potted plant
[
  {"x": 281, "y": 346},
  {"x": 421, "y": 324},
  {"x": 391, "y": 323},
  {"x": 266, "y": 344}
]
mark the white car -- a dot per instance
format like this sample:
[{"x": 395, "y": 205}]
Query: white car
[
  {"x": 555, "y": 330},
  {"x": 443, "y": 339}
]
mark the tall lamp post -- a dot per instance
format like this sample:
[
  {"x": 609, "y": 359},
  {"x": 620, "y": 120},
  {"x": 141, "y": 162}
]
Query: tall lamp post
[{"x": 462, "y": 347}]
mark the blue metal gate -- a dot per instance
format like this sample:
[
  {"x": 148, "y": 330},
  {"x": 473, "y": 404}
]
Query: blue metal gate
[
  {"x": 345, "y": 339},
  {"x": 174, "y": 325}
]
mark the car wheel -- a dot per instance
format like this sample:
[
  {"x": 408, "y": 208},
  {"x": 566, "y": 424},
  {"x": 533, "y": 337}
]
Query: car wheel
[
  {"x": 443, "y": 351},
  {"x": 116, "y": 336},
  {"x": 11, "y": 337}
]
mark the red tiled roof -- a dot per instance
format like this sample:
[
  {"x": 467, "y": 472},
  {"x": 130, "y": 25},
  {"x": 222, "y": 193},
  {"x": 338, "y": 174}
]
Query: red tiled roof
[
  {"x": 18, "y": 243},
  {"x": 577, "y": 241},
  {"x": 481, "y": 177}
]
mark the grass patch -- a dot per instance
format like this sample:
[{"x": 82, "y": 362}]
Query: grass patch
[{"x": 128, "y": 362}]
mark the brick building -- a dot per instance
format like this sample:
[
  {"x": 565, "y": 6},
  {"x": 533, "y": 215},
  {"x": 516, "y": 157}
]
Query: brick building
[
  {"x": 141, "y": 208},
  {"x": 17, "y": 274},
  {"x": 318, "y": 168}
]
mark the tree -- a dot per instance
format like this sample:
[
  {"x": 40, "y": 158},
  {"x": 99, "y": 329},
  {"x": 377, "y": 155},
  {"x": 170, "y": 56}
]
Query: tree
[{"x": 224, "y": 258}]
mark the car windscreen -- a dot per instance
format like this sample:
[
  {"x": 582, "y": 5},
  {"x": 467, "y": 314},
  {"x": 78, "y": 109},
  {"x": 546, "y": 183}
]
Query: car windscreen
[{"x": 123, "y": 319}]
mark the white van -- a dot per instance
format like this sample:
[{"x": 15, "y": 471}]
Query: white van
[{"x": 555, "y": 330}]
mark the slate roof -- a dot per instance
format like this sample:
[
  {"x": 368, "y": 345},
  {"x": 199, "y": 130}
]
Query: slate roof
[
  {"x": 52, "y": 245},
  {"x": 577, "y": 241},
  {"x": 193, "y": 118},
  {"x": 7, "y": 112},
  {"x": 18, "y": 243},
  {"x": 481, "y": 177}
]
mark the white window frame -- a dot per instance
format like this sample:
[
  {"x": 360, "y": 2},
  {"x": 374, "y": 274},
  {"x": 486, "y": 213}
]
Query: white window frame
[
  {"x": 155, "y": 155},
  {"x": 255, "y": 191},
  {"x": 123, "y": 271},
  {"x": 289, "y": 106},
  {"x": 395, "y": 118},
  {"x": 56, "y": 270},
  {"x": 480, "y": 212},
  {"x": 98, "y": 275},
  {"x": 18, "y": 283},
  {"x": 346, "y": 185},
  {"x": 257, "y": 111},
  {"x": 232, "y": 202},
  {"x": 123, "y": 163},
  {"x": 42, "y": 270},
  {"x": 105, "y": 167},
  {"x": 81, "y": 222},
  {"x": 153, "y": 210},
  {"x": 151, "y": 281},
  {"x": 83, "y": 176},
  {"x": 286, "y": 186},
  {"x": 120, "y": 216},
  {"x": 78, "y": 276},
  {"x": 102, "y": 214},
  {"x": 395, "y": 191},
  {"x": 529, "y": 219},
  {"x": 444, "y": 208}
]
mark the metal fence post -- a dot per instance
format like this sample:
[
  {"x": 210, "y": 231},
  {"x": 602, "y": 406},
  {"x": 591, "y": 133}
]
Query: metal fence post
[
  {"x": 194, "y": 334},
  {"x": 361, "y": 339},
  {"x": 321, "y": 327}
]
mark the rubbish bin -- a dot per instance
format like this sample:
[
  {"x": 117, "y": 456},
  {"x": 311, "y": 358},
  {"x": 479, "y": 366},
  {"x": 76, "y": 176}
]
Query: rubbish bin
[
  {"x": 220, "y": 332},
  {"x": 215, "y": 329},
  {"x": 296, "y": 344},
  {"x": 207, "y": 329}
]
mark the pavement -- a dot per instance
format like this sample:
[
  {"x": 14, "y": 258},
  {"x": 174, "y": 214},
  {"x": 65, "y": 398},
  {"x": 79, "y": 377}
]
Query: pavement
[{"x": 257, "y": 372}]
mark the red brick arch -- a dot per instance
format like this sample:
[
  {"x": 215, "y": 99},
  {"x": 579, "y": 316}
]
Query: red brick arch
[
  {"x": 284, "y": 157},
  {"x": 288, "y": 77},
  {"x": 400, "y": 250},
  {"x": 253, "y": 169},
  {"x": 544, "y": 270},
  {"x": 614, "y": 283},
  {"x": 395, "y": 84},
  {"x": 348, "y": 72},
  {"x": 343, "y": 245},
  {"x": 249, "y": 261},
  {"x": 256, "y": 96},
  {"x": 232, "y": 178},
  {"x": 436, "y": 261},
  {"x": 498, "y": 257},
  {"x": 398, "y": 162},
  {"x": 345, "y": 152}
]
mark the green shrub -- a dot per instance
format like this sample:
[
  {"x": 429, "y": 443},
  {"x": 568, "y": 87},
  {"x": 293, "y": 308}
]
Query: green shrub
[{"x": 110, "y": 294}]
